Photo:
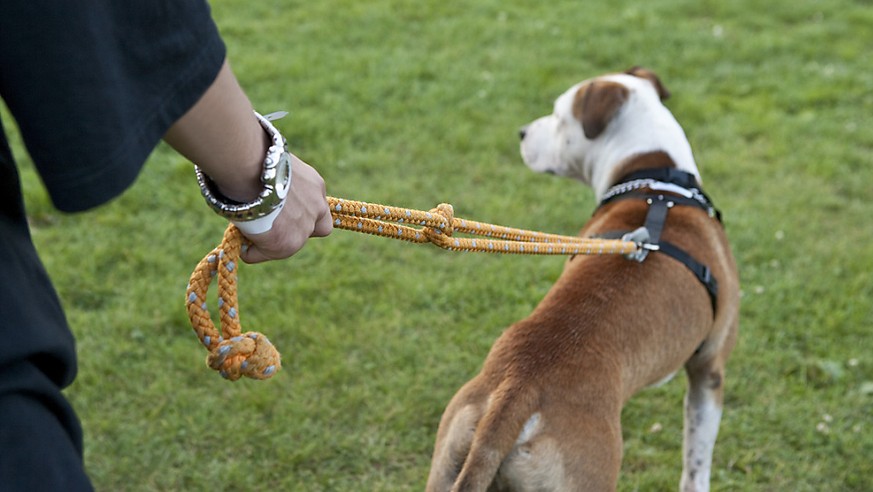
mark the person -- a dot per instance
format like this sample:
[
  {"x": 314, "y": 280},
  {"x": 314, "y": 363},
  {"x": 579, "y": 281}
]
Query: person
[{"x": 94, "y": 88}]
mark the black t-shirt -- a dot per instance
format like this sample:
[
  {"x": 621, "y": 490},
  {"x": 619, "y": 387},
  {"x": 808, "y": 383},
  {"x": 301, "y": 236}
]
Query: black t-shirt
[{"x": 93, "y": 86}]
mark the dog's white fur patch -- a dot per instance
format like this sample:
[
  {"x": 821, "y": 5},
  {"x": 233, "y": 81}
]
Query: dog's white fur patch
[
  {"x": 701, "y": 430},
  {"x": 529, "y": 429},
  {"x": 557, "y": 144}
]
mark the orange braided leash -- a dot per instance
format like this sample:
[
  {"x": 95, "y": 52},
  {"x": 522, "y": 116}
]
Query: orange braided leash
[
  {"x": 232, "y": 353},
  {"x": 251, "y": 354},
  {"x": 439, "y": 224}
]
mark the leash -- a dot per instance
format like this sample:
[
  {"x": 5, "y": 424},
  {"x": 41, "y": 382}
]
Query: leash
[
  {"x": 235, "y": 354},
  {"x": 439, "y": 225}
]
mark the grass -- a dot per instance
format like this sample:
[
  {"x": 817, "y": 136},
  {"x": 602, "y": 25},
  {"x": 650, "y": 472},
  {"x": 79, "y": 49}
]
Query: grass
[{"x": 414, "y": 103}]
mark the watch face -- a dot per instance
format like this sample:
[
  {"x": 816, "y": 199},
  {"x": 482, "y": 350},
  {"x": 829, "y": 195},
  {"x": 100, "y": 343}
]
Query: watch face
[{"x": 283, "y": 175}]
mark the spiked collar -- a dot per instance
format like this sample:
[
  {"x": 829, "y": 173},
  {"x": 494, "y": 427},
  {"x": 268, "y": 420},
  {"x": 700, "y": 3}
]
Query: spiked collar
[{"x": 682, "y": 184}]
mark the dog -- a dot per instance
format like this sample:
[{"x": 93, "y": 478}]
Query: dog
[{"x": 543, "y": 414}]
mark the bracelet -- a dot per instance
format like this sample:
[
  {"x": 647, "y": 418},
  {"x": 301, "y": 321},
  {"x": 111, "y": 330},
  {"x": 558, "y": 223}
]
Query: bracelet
[{"x": 257, "y": 216}]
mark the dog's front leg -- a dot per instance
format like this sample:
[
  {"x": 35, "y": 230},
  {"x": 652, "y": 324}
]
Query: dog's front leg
[{"x": 703, "y": 408}]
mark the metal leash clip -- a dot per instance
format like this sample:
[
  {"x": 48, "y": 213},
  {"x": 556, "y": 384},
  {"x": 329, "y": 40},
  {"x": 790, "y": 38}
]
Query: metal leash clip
[{"x": 640, "y": 237}]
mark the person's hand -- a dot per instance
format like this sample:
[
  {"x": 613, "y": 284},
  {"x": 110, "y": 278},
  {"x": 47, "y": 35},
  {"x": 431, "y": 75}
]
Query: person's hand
[{"x": 306, "y": 214}]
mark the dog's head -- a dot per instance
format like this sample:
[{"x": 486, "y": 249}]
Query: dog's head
[{"x": 600, "y": 123}]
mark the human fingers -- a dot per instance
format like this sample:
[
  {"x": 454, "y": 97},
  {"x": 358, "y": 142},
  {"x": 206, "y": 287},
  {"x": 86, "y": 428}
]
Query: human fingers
[{"x": 304, "y": 215}]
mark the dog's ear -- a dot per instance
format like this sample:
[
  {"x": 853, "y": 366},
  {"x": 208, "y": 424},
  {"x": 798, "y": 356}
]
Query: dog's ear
[
  {"x": 649, "y": 75},
  {"x": 595, "y": 105}
]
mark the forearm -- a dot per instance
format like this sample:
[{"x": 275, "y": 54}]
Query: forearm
[
  {"x": 221, "y": 135},
  {"x": 224, "y": 138}
]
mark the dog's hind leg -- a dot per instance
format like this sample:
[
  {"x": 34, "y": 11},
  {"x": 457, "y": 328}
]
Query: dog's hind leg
[
  {"x": 453, "y": 443},
  {"x": 703, "y": 409}
]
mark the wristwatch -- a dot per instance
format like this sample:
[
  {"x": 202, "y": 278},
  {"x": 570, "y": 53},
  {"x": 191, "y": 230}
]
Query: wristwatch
[{"x": 257, "y": 216}]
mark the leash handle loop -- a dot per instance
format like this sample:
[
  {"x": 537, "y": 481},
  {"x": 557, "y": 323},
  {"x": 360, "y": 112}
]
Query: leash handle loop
[{"x": 232, "y": 353}]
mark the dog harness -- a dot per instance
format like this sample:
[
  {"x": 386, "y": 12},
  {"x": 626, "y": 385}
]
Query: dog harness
[{"x": 684, "y": 191}]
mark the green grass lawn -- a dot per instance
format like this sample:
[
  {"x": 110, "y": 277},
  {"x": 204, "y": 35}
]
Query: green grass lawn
[{"x": 416, "y": 103}]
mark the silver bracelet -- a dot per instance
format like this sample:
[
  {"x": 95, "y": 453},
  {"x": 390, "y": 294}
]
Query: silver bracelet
[{"x": 257, "y": 216}]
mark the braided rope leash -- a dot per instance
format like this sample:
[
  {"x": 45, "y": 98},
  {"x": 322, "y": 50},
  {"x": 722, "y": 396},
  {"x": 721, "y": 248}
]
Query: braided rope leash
[
  {"x": 235, "y": 354},
  {"x": 232, "y": 353},
  {"x": 439, "y": 224}
]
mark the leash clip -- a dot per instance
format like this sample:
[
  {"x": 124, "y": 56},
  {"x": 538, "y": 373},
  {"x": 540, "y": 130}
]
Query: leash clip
[{"x": 640, "y": 237}]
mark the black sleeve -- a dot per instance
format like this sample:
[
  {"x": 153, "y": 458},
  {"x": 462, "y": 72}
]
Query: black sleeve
[{"x": 95, "y": 84}]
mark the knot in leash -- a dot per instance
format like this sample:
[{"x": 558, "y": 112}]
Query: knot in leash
[
  {"x": 250, "y": 354},
  {"x": 441, "y": 233},
  {"x": 232, "y": 353}
]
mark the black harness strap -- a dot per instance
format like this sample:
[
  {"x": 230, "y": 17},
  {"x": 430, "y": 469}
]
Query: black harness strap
[
  {"x": 701, "y": 271},
  {"x": 656, "y": 217}
]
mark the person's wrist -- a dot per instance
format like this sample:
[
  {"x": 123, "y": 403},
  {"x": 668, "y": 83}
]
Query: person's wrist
[
  {"x": 245, "y": 185},
  {"x": 254, "y": 216}
]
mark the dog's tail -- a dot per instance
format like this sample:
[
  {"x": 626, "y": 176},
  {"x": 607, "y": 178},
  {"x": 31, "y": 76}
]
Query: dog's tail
[{"x": 510, "y": 407}]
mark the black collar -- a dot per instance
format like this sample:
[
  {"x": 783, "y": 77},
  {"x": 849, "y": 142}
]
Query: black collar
[{"x": 662, "y": 180}]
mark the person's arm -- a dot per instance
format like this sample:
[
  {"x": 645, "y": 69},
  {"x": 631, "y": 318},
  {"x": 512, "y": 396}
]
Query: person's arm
[{"x": 222, "y": 136}]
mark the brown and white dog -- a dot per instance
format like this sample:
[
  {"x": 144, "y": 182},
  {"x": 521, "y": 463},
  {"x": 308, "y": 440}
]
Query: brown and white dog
[{"x": 544, "y": 412}]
